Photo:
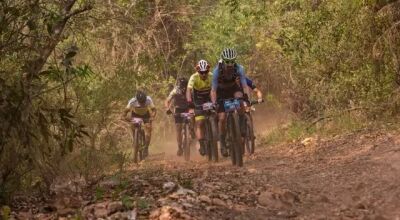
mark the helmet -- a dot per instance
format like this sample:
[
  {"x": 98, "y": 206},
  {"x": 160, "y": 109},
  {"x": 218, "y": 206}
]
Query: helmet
[
  {"x": 141, "y": 97},
  {"x": 228, "y": 54},
  {"x": 202, "y": 66},
  {"x": 182, "y": 82}
]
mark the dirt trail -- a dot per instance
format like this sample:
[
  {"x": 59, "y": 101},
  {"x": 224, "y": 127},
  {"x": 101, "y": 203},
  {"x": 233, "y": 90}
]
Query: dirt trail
[{"x": 354, "y": 176}]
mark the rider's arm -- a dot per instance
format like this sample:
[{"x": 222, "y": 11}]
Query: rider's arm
[
  {"x": 153, "y": 112},
  {"x": 189, "y": 94},
  {"x": 167, "y": 102},
  {"x": 152, "y": 108},
  {"x": 244, "y": 82},
  {"x": 124, "y": 114},
  {"x": 189, "y": 89},
  {"x": 127, "y": 109},
  {"x": 214, "y": 85}
]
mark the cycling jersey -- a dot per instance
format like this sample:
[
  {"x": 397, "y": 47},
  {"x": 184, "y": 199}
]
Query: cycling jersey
[
  {"x": 223, "y": 79},
  {"x": 201, "y": 88},
  {"x": 179, "y": 98},
  {"x": 138, "y": 109}
]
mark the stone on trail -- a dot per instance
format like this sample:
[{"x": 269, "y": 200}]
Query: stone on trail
[
  {"x": 218, "y": 202},
  {"x": 276, "y": 198},
  {"x": 205, "y": 199},
  {"x": 183, "y": 191},
  {"x": 169, "y": 187},
  {"x": 114, "y": 207}
]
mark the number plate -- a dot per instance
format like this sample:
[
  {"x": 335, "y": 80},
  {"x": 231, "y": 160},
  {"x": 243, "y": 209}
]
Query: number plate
[
  {"x": 207, "y": 106},
  {"x": 186, "y": 115},
  {"x": 231, "y": 105},
  {"x": 137, "y": 120}
]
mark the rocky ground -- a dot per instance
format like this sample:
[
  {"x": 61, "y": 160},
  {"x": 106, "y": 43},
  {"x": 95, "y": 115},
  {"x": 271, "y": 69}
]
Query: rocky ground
[{"x": 354, "y": 176}]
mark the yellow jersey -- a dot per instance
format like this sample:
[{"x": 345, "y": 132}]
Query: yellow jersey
[{"x": 201, "y": 88}]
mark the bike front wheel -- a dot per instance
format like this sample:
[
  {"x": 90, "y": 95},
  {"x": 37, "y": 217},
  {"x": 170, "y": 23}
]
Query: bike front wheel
[
  {"x": 235, "y": 136},
  {"x": 142, "y": 146},
  {"x": 186, "y": 141},
  {"x": 213, "y": 138},
  {"x": 136, "y": 144}
]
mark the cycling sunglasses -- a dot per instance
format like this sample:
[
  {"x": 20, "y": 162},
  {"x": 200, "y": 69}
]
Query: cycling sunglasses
[
  {"x": 203, "y": 72},
  {"x": 229, "y": 61}
]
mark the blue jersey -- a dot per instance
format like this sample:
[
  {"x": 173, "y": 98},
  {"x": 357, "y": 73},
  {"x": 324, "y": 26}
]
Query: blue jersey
[
  {"x": 250, "y": 84},
  {"x": 239, "y": 71}
]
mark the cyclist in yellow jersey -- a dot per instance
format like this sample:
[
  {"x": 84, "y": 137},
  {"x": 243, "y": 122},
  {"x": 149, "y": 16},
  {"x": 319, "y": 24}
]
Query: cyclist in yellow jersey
[
  {"x": 141, "y": 106},
  {"x": 198, "y": 93}
]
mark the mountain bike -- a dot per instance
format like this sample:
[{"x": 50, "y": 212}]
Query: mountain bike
[
  {"x": 186, "y": 132},
  {"x": 139, "y": 143},
  {"x": 211, "y": 131},
  {"x": 233, "y": 136},
  {"x": 248, "y": 127}
]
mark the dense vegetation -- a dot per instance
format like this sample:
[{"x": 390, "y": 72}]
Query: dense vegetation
[{"x": 67, "y": 69}]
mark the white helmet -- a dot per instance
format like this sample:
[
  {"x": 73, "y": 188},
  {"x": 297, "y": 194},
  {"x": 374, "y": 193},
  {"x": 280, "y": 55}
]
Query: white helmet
[
  {"x": 228, "y": 54},
  {"x": 202, "y": 66}
]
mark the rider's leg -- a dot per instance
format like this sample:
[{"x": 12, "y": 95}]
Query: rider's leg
[
  {"x": 178, "y": 130},
  {"x": 147, "y": 136},
  {"x": 242, "y": 124},
  {"x": 222, "y": 132},
  {"x": 200, "y": 134}
]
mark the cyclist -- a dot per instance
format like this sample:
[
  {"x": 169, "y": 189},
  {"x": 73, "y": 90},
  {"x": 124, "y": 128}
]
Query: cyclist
[
  {"x": 198, "y": 93},
  {"x": 224, "y": 86},
  {"x": 178, "y": 97},
  {"x": 141, "y": 106}
]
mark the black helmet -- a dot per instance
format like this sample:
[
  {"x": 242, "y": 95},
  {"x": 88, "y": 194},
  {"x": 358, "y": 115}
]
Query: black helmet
[
  {"x": 182, "y": 83},
  {"x": 141, "y": 97}
]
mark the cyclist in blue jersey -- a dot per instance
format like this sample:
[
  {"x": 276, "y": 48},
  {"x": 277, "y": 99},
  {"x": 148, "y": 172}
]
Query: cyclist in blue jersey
[{"x": 224, "y": 86}]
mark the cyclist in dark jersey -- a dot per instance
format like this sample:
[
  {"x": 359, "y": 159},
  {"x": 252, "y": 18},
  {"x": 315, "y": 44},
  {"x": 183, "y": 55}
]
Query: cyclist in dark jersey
[{"x": 177, "y": 97}]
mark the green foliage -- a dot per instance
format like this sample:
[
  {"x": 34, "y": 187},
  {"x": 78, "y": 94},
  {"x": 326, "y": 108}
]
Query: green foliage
[
  {"x": 127, "y": 202},
  {"x": 5, "y": 212},
  {"x": 99, "y": 193},
  {"x": 287, "y": 133},
  {"x": 142, "y": 203}
]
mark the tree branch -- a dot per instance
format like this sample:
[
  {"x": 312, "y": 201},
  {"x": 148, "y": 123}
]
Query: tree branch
[{"x": 78, "y": 11}]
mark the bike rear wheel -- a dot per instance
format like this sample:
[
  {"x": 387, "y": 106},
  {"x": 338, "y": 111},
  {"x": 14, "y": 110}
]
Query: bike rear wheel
[
  {"x": 208, "y": 138},
  {"x": 213, "y": 138}
]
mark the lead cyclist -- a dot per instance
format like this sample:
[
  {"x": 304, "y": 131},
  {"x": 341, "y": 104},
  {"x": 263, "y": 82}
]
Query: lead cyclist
[{"x": 224, "y": 86}]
